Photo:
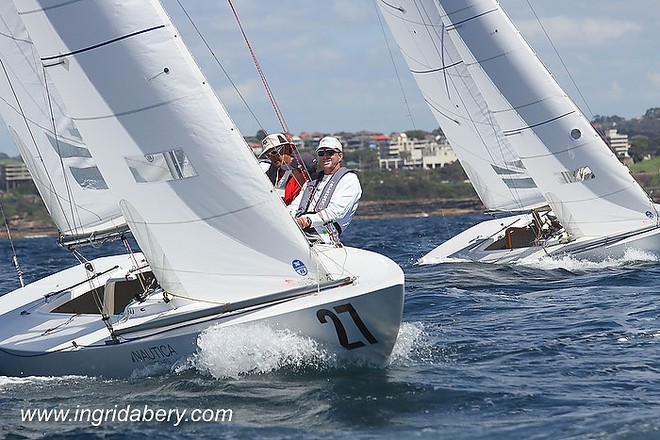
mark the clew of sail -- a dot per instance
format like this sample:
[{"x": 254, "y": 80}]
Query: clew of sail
[
  {"x": 495, "y": 170},
  {"x": 67, "y": 178},
  {"x": 192, "y": 192},
  {"x": 590, "y": 191}
]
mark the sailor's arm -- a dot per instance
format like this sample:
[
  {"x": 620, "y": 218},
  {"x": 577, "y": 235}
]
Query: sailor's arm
[{"x": 347, "y": 193}]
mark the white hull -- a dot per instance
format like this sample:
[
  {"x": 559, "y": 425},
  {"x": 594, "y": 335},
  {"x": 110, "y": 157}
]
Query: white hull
[
  {"x": 485, "y": 242},
  {"x": 360, "y": 319}
]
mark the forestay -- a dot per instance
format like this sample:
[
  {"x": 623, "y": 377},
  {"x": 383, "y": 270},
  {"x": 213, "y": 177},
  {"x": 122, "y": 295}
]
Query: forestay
[
  {"x": 591, "y": 192},
  {"x": 69, "y": 182},
  {"x": 190, "y": 188},
  {"x": 494, "y": 169}
]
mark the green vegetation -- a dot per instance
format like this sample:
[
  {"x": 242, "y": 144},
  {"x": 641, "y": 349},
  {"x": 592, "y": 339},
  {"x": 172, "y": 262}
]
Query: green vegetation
[
  {"x": 647, "y": 173},
  {"x": 647, "y": 166},
  {"x": 4, "y": 159},
  {"x": 446, "y": 182},
  {"x": 23, "y": 205},
  {"x": 644, "y": 132},
  {"x": 24, "y": 209}
]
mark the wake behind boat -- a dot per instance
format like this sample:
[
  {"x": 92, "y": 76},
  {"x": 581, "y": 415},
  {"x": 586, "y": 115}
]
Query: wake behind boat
[
  {"x": 218, "y": 245},
  {"x": 525, "y": 146}
]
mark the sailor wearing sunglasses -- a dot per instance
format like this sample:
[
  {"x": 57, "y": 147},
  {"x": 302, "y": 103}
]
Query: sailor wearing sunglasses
[
  {"x": 326, "y": 205},
  {"x": 276, "y": 152}
]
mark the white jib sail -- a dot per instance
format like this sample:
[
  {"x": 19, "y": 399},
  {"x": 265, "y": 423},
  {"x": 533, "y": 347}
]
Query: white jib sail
[
  {"x": 68, "y": 180},
  {"x": 486, "y": 155},
  {"x": 591, "y": 192},
  {"x": 192, "y": 192}
]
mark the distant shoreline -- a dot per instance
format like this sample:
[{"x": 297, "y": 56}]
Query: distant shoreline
[
  {"x": 416, "y": 208},
  {"x": 367, "y": 210}
]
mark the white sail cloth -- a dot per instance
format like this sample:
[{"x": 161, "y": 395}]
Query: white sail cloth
[
  {"x": 494, "y": 169},
  {"x": 199, "y": 206},
  {"x": 591, "y": 192},
  {"x": 69, "y": 182}
]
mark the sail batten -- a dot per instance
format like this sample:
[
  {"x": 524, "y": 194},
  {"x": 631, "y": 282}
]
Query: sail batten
[{"x": 98, "y": 45}]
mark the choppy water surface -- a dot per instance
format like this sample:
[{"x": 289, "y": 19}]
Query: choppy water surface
[{"x": 551, "y": 349}]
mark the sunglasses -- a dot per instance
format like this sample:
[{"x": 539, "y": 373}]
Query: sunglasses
[
  {"x": 322, "y": 153},
  {"x": 274, "y": 153}
]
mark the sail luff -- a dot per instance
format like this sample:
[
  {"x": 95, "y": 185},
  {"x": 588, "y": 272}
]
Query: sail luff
[
  {"x": 214, "y": 231},
  {"x": 70, "y": 185},
  {"x": 458, "y": 105}
]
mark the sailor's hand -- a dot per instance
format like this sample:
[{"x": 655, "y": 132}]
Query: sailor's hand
[{"x": 304, "y": 222}]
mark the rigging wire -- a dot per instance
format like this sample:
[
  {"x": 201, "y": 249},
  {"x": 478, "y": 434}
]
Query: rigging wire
[
  {"x": 561, "y": 60},
  {"x": 75, "y": 215},
  {"x": 294, "y": 150},
  {"x": 224, "y": 71},
  {"x": 396, "y": 71},
  {"x": 14, "y": 258},
  {"x": 140, "y": 275},
  {"x": 405, "y": 99},
  {"x": 280, "y": 118},
  {"x": 32, "y": 137}
]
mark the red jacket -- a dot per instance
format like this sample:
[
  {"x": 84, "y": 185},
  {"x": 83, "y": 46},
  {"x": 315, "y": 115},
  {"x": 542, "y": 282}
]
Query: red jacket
[{"x": 291, "y": 190}]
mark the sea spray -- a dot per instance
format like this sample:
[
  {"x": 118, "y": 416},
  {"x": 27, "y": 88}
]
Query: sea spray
[
  {"x": 574, "y": 264},
  {"x": 240, "y": 350},
  {"x": 235, "y": 351}
]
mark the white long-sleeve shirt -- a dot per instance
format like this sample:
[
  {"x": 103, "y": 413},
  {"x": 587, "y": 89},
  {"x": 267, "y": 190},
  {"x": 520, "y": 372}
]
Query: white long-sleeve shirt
[{"x": 342, "y": 206}]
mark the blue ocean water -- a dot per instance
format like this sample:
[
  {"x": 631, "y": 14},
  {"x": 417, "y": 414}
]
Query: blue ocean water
[{"x": 554, "y": 349}]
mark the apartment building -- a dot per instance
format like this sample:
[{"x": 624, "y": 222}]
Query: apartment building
[{"x": 404, "y": 152}]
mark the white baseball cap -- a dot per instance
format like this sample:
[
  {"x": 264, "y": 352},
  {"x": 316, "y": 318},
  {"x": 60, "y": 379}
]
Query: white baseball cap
[
  {"x": 271, "y": 142},
  {"x": 330, "y": 142}
]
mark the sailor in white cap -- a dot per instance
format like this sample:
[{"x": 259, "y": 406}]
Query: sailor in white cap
[
  {"x": 276, "y": 151},
  {"x": 326, "y": 205}
]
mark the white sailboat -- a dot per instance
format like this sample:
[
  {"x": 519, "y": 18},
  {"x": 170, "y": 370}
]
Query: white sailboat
[
  {"x": 526, "y": 147},
  {"x": 218, "y": 245}
]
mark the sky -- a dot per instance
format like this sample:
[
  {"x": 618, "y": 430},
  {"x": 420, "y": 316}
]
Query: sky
[{"x": 332, "y": 65}]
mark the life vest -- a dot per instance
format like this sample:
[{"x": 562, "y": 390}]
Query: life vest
[
  {"x": 272, "y": 173},
  {"x": 325, "y": 196}
]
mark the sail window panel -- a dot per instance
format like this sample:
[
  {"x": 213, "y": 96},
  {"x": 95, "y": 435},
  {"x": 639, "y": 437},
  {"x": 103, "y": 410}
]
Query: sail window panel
[
  {"x": 65, "y": 149},
  {"x": 506, "y": 171},
  {"x": 161, "y": 167},
  {"x": 580, "y": 175},
  {"x": 88, "y": 177},
  {"x": 524, "y": 183}
]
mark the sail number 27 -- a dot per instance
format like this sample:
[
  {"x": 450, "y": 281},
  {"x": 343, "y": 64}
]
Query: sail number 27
[{"x": 324, "y": 314}]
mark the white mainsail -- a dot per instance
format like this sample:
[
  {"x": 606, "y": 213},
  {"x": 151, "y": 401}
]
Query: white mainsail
[
  {"x": 197, "y": 202},
  {"x": 69, "y": 182},
  {"x": 590, "y": 191},
  {"x": 486, "y": 155}
]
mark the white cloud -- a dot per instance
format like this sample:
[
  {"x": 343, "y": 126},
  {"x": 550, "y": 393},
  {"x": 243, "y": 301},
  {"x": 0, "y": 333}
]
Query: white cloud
[
  {"x": 568, "y": 31},
  {"x": 654, "y": 79}
]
